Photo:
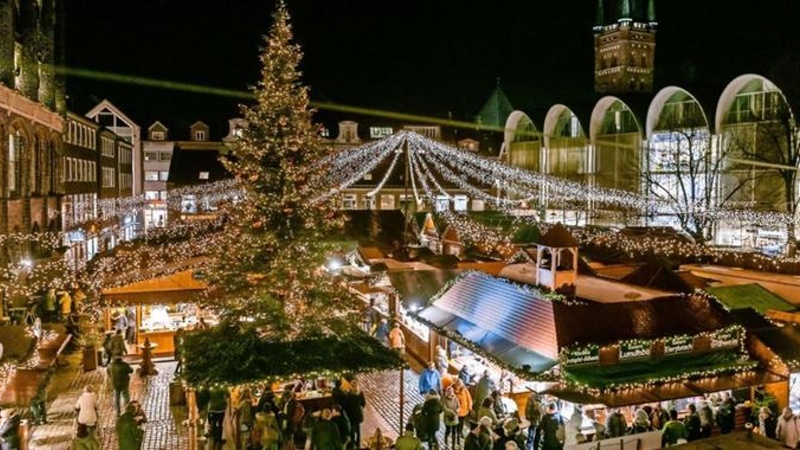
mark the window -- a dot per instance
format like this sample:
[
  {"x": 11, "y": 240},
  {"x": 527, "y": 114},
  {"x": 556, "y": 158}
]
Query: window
[
  {"x": 200, "y": 135},
  {"x": 16, "y": 145},
  {"x": 188, "y": 204},
  {"x": 151, "y": 156},
  {"x": 150, "y": 175},
  {"x": 163, "y": 175},
  {"x": 108, "y": 177},
  {"x": 164, "y": 156},
  {"x": 203, "y": 175},
  {"x": 157, "y": 135},
  {"x": 350, "y": 201},
  {"x": 151, "y": 195}
]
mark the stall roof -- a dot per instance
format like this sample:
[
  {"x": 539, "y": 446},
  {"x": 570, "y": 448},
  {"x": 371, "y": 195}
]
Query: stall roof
[
  {"x": 784, "y": 341},
  {"x": 180, "y": 286},
  {"x": 667, "y": 391},
  {"x": 418, "y": 286},
  {"x": 606, "y": 323},
  {"x": 750, "y": 295},
  {"x": 733, "y": 441},
  {"x": 511, "y": 324}
]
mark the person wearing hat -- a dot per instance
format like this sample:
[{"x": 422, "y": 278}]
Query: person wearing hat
[
  {"x": 397, "y": 340},
  {"x": 9, "y": 429}
]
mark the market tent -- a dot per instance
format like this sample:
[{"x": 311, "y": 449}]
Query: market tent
[
  {"x": 184, "y": 286},
  {"x": 227, "y": 355},
  {"x": 504, "y": 322},
  {"x": 418, "y": 286},
  {"x": 784, "y": 341}
]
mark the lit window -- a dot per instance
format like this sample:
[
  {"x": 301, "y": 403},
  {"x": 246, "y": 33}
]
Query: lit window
[
  {"x": 199, "y": 135},
  {"x": 157, "y": 135},
  {"x": 203, "y": 175}
]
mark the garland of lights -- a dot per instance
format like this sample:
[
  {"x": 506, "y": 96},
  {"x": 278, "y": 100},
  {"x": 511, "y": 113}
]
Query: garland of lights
[
  {"x": 411, "y": 160},
  {"x": 386, "y": 176}
]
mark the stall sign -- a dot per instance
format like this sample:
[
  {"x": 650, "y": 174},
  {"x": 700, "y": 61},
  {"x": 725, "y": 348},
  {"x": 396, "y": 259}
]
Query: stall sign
[
  {"x": 678, "y": 344},
  {"x": 725, "y": 339},
  {"x": 633, "y": 350},
  {"x": 587, "y": 355}
]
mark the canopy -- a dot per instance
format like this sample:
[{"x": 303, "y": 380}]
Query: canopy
[
  {"x": 226, "y": 355},
  {"x": 179, "y": 287}
]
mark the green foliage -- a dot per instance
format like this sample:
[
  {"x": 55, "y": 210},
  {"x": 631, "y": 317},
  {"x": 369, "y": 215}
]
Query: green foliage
[
  {"x": 269, "y": 262},
  {"x": 229, "y": 354}
]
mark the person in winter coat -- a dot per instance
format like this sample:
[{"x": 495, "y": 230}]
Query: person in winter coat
[
  {"x": 84, "y": 440},
  {"x": 430, "y": 379},
  {"x": 674, "y": 430},
  {"x": 533, "y": 414},
  {"x": 408, "y": 441},
  {"x": 451, "y": 407},
  {"x": 464, "y": 404},
  {"x": 707, "y": 420},
  {"x": 726, "y": 414},
  {"x": 245, "y": 415},
  {"x": 574, "y": 426},
  {"x": 485, "y": 387},
  {"x": 641, "y": 422},
  {"x": 432, "y": 417},
  {"x": 442, "y": 363},
  {"x": 382, "y": 332},
  {"x": 616, "y": 424},
  {"x": 118, "y": 346},
  {"x": 397, "y": 340},
  {"x": 325, "y": 434},
  {"x": 480, "y": 438},
  {"x": 659, "y": 417},
  {"x": 107, "y": 340},
  {"x": 767, "y": 423},
  {"x": 354, "y": 407},
  {"x": 129, "y": 434},
  {"x": 339, "y": 417},
  {"x": 268, "y": 429},
  {"x": 9, "y": 430},
  {"x": 551, "y": 422},
  {"x": 87, "y": 409},
  {"x": 487, "y": 410},
  {"x": 120, "y": 373},
  {"x": 692, "y": 422},
  {"x": 788, "y": 429}
]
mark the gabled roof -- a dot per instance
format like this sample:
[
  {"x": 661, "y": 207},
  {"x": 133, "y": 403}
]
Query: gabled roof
[
  {"x": 659, "y": 275},
  {"x": 105, "y": 104},
  {"x": 157, "y": 125},
  {"x": 419, "y": 286},
  {"x": 497, "y": 314},
  {"x": 558, "y": 237},
  {"x": 496, "y": 109}
]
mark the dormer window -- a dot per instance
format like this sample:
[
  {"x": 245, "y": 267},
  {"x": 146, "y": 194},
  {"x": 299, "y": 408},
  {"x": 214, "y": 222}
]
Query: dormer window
[
  {"x": 200, "y": 135},
  {"x": 157, "y": 136}
]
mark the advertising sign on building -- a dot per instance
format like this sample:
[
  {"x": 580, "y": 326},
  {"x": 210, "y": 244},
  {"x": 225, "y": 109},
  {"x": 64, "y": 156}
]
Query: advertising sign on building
[
  {"x": 586, "y": 355},
  {"x": 728, "y": 338},
  {"x": 678, "y": 344},
  {"x": 634, "y": 349}
]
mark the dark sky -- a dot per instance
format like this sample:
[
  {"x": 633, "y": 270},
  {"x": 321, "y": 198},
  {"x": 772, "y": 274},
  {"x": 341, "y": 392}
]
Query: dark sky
[{"x": 420, "y": 57}]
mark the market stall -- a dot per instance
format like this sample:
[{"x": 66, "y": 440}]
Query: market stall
[{"x": 156, "y": 308}]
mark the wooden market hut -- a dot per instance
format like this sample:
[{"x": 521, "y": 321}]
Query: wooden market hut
[{"x": 181, "y": 287}]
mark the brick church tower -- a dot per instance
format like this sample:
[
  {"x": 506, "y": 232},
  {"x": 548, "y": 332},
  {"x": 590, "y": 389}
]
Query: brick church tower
[{"x": 624, "y": 46}]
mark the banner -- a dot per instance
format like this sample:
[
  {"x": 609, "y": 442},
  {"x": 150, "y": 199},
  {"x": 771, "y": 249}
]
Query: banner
[
  {"x": 636, "y": 349},
  {"x": 725, "y": 338},
  {"x": 582, "y": 356},
  {"x": 678, "y": 344}
]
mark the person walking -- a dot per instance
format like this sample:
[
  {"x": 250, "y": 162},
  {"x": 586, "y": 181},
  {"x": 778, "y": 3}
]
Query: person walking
[
  {"x": 533, "y": 414},
  {"x": 552, "y": 429},
  {"x": 451, "y": 406},
  {"x": 788, "y": 429},
  {"x": 432, "y": 417},
  {"x": 217, "y": 403},
  {"x": 354, "y": 407},
  {"x": 120, "y": 373},
  {"x": 429, "y": 380},
  {"x": 464, "y": 405},
  {"x": 382, "y": 332},
  {"x": 84, "y": 440},
  {"x": 397, "y": 340},
  {"x": 87, "y": 409},
  {"x": 408, "y": 441},
  {"x": 118, "y": 346},
  {"x": 107, "y": 356},
  {"x": 129, "y": 434}
]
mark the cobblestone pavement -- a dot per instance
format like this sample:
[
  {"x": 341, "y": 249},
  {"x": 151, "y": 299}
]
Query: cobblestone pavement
[{"x": 163, "y": 430}]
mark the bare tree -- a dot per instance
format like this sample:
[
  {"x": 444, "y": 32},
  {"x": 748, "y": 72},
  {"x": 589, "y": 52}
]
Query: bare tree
[
  {"x": 771, "y": 144},
  {"x": 687, "y": 173}
]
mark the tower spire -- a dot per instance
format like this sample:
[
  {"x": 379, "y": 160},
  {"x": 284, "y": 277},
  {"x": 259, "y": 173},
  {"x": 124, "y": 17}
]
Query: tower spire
[
  {"x": 624, "y": 10},
  {"x": 651, "y": 11},
  {"x": 600, "y": 19}
]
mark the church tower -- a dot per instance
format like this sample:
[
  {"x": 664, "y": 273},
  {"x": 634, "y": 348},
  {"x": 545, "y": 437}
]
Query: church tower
[{"x": 624, "y": 46}]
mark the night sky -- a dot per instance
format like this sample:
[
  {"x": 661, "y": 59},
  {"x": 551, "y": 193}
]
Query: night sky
[{"x": 432, "y": 57}]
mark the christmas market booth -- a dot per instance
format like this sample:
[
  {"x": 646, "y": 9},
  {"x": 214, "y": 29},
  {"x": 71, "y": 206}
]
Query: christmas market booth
[
  {"x": 673, "y": 350},
  {"x": 155, "y": 308}
]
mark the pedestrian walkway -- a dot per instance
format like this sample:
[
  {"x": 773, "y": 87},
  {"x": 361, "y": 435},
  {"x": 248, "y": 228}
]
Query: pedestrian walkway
[{"x": 163, "y": 430}]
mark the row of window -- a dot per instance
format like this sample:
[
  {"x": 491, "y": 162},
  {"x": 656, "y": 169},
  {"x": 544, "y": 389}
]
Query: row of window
[
  {"x": 155, "y": 195},
  {"x": 156, "y": 175},
  {"x": 78, "y": 208},
  {"x": 79, "y": 170},
  {"x": 125, "y": 155},
  {"x": 80, "y": 135},
  {"x": 157, "y": 156}
]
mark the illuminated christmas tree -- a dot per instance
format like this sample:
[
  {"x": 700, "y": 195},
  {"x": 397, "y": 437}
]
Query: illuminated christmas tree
[{"x": 269, "y": 267}]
